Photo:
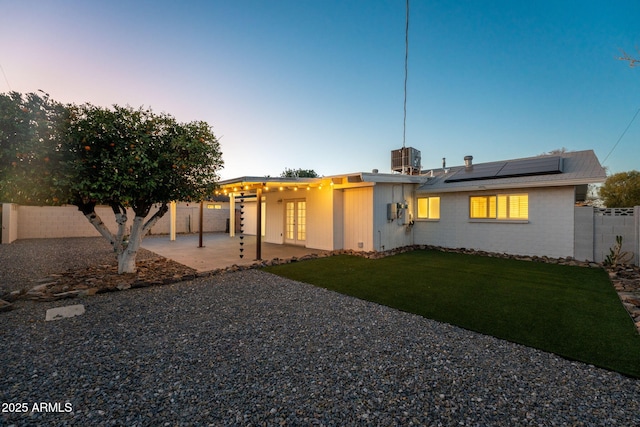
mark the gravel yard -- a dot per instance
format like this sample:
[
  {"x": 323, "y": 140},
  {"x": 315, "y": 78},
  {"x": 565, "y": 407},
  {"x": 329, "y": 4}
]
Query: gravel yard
[
  {"x": 250, "y": 348},
  {"x": 24, "y": 261}
]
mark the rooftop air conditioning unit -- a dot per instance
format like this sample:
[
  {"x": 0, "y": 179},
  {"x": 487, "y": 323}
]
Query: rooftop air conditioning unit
[{"x": 406, "y": 161}]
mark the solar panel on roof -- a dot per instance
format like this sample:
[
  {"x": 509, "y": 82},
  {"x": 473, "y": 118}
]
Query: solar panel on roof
[
  {"x": 482, "y": 171},
  {"x": 509, "y": 169},
  {"x": 537, "y": 166}
]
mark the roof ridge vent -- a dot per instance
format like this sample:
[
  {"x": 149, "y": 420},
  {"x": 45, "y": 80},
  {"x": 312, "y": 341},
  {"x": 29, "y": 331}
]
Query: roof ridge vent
[{"x": 468, "y": 162}]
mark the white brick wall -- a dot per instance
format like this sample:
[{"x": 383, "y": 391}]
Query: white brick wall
[
  {"x": 56, "y": 221},
  {"x": 9, "y": 223},
  {"x": 583, "y": 233},
  {"x": 607, "y": 228},
  {"x": 67, "y": 221},
  {"x": 549, "y": 230},
  {"x": 188, "y": 217},
  {"x": 596, "y": 231}
]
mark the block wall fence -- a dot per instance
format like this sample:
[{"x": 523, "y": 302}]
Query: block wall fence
[
  {"x": 596, "y": 229},
  {"x": 37, "y": 222}
]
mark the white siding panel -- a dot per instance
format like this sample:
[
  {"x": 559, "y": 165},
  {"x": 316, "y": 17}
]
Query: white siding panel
[
  {"x": 319, "y": 218},
  {"x": 358, "y": 219},
  {"x": 392, "y": 234},
  {"x": 338, "y": 219},
  {"x": 274, "y": 217}
]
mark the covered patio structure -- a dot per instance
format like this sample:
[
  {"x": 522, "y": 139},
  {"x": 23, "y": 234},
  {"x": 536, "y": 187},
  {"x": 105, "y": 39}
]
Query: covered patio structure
[
  {"x": 350, "y": 211},
  {"x": 246, "y": 194},
  {"x": 219, "y": 250}
]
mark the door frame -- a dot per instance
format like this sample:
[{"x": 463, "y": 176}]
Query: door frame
[{"x": 298, "y": 222}]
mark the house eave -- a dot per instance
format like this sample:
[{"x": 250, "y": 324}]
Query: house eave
[
  {"x": 496, "y": 185},
  {"x": 373, "y": 177},
  {"x": 252, "y": 182}
]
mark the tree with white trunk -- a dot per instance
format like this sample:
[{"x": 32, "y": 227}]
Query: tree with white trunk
[{"x": 120, "y": 157}]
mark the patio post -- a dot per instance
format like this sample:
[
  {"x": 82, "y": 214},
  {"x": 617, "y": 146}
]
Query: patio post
[
  {"x": 172, "y": 220},
  {"x": 201, "y": 223},
  {"x": 259, "y": 224},
  {"x": 232, "y": 214}
]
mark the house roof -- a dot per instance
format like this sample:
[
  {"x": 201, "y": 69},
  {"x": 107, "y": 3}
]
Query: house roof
[{"x": 571, "y": 168}]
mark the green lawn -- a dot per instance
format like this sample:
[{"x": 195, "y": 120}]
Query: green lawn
[{"x": 571, "y": 311}]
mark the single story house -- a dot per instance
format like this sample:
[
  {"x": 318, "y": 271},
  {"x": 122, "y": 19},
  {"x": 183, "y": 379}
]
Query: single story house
[{"x": 520, "y": 206}]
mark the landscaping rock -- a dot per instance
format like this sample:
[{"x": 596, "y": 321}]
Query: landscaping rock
[
  {"x": 64, "y": 312},
  {"x": 105, "y": 278},
  {"x": 67, "y": 294},
  {"x": 630, "y": 298},
  {"x": 14, "y": 295},
  {"x": 626, "y": 281},
  {"x": 5, "y": 305}
]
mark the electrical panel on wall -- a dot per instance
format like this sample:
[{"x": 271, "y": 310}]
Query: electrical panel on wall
[
  {"x": 392, "y": 211},
  {"x": 401, "y": 208}
]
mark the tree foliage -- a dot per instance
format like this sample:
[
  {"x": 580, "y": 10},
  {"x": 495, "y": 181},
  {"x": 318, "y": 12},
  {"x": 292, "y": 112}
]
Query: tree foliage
[
  {"x": 138, "y": 158},
  {"x": 555, "y": 152},
  {"x": 31, "y": 161},
  {"x": 299, "y": 173},
  {"x": 621, "y": 190}
]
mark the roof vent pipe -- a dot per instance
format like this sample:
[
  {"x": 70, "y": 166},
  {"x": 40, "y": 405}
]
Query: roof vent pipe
[
  {"x": 468, "y": 162},
  {"x": 444, "y": 162}
]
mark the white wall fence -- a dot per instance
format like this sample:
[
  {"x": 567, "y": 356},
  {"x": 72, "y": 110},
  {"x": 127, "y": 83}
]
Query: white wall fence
[
  {"x": 34, "y": 222},
  {"x": 596, "y": 230}
]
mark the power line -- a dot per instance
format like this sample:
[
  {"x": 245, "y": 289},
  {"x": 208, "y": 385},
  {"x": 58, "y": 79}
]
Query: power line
[
  {"x": 406, "y": 72},
  {"x": 621, "y": 136},
  {"x": 7, "y": 80}
]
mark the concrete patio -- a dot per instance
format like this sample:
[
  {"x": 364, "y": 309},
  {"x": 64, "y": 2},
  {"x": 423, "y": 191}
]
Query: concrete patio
[{"x": 219, "y": 250}]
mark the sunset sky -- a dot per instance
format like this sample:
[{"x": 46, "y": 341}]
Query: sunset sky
[{"x": 318, "y": 84}]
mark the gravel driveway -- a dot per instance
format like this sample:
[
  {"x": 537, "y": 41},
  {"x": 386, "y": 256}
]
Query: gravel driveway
[{"x": 250, "y": 348}]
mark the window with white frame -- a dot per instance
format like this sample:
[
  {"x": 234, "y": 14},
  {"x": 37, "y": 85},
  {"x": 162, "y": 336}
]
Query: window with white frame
[
  {"x": 428, "y": 208},
  {"x": 501, "y": 206}
]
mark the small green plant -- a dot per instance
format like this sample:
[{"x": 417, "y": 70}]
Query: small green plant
[{"x": 616, "y": 255}]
